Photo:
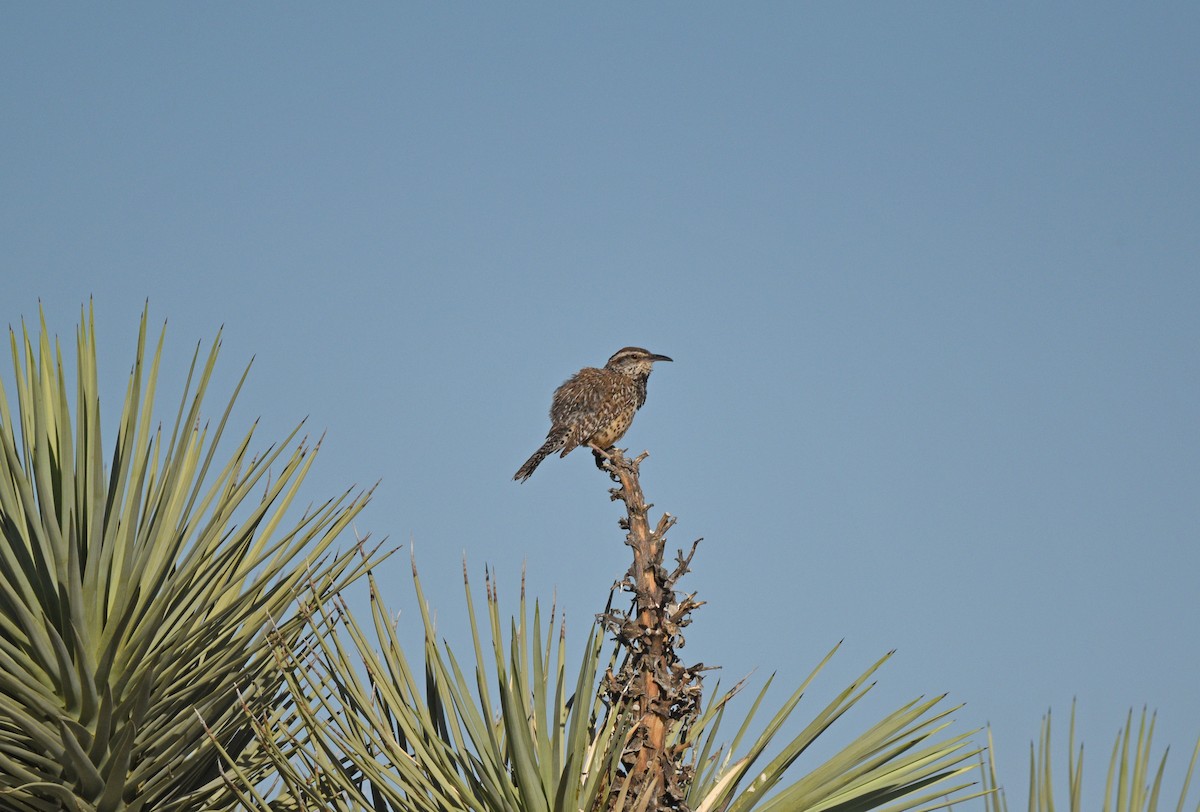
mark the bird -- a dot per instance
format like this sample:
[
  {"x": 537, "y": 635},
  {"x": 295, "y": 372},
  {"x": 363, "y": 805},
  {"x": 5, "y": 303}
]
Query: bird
[{"x": 595, "y": 407}]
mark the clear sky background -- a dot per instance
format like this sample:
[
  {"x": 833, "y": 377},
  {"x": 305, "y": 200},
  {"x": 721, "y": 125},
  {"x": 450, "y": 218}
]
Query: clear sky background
[{"x": 930, "y": 274}]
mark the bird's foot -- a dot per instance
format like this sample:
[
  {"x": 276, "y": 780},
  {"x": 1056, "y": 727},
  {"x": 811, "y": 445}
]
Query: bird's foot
[{"x": 603, "y": 458}]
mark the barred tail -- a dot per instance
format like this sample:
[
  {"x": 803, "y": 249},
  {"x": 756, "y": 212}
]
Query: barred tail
[{"x": 552, "y": 443}]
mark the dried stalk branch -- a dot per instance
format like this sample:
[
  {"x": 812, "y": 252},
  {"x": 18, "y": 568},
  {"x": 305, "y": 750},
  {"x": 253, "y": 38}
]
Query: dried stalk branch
[{"x": 659, "y": 694}]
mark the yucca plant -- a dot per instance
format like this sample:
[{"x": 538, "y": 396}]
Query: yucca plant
[
  {"x": 519, "y": 732},
  {"x": 143, "y": 585},
  {"x": 373, "y": 730},
  {"x": 1133, "y": 782}
]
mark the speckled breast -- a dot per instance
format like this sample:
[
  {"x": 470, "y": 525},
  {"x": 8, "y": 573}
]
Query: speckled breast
[{"x": 614, "y": 428}]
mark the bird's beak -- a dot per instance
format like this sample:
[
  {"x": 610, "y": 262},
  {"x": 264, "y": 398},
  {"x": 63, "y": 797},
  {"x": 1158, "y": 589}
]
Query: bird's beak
[{"x": 654, "y": 357}]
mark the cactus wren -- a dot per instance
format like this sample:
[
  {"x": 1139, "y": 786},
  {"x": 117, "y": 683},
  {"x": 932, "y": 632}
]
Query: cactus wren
[{"x": 595, "y": 407}]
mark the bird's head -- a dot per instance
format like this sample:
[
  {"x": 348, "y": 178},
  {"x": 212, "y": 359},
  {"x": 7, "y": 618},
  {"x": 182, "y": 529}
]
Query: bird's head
[{"x": 633, "y": 361}]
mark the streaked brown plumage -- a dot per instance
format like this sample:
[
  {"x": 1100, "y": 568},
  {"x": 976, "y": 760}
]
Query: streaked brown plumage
[{"x": 595, "y": 406}]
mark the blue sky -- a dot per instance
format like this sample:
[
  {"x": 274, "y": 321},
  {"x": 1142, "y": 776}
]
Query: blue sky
[{"x": 930, "y": 274}]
